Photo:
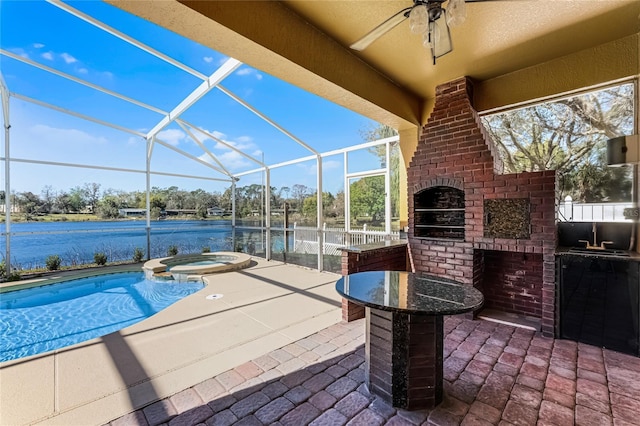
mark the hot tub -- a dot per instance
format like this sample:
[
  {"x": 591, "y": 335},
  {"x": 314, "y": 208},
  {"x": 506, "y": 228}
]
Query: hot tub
[{"x": 192, "y": 267}]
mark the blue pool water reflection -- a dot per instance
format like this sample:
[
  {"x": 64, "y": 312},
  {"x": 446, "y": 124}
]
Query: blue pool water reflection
[{"x": 50, "y": 317}]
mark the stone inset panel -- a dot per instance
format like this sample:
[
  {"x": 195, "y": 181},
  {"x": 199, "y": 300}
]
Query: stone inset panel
[{"x": 507, "y": 218}]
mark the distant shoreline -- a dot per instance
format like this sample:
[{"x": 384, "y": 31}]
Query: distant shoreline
[{"x": 84, "y": 217}]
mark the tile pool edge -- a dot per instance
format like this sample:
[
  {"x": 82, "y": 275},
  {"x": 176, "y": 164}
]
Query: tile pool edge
[{"x": 56, "y": 277}]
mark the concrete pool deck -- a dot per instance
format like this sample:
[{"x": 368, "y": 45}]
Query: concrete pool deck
[{"x": 264, "y": 307}]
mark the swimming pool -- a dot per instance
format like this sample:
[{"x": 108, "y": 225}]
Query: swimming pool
[{"x": 44, "y": 318}]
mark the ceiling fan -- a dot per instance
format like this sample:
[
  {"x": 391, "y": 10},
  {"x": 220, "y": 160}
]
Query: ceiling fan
[{"x": 426, "y": 17}]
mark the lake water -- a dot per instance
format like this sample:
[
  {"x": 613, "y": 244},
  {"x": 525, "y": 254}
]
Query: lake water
[{"x": 77, "y": 242}]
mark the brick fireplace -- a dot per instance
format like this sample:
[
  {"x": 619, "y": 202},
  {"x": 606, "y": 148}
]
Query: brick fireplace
[{"x": 471, "y": 223}]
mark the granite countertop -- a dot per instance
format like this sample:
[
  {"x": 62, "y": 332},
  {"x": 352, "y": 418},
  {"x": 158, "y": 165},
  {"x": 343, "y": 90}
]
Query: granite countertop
[
  {"x": 411, "y": 293},
  {"x": 614, "y": 254},
  {"x": 362, "y": 248}
]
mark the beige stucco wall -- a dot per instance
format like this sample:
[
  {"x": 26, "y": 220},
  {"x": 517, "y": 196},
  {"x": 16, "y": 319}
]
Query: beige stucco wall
[{"x": 608, "y": 62}]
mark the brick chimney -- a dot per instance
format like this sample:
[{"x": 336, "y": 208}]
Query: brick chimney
[{"x": 471, "y": 223}]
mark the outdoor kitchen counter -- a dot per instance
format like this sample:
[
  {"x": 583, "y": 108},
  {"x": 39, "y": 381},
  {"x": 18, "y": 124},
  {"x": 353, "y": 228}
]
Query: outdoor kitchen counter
[
  {"x": 613, "y": 254},
  {"x": 404, "y": 331},
  {"x": 363, "y": 248}
]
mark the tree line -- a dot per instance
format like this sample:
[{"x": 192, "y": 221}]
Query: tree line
[
  {"x": 300, "y": 201},
  {"x": 89, "y": 198}
]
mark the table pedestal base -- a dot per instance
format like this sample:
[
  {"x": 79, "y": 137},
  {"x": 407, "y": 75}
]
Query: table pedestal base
[{"x": 404, "y": 358}]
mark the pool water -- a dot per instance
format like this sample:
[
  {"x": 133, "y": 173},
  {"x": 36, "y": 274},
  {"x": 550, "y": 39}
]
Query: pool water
[{"x": 50, "y": 317}]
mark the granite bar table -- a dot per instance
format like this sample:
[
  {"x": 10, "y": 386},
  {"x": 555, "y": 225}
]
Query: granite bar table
[{"x": 404, "y": 331}]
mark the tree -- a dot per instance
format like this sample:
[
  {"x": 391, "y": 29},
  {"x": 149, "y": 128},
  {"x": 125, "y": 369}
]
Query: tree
[
  {"x": 29, "y": 203},
  {"x": 175, "y": 198},
  {"x": 92, "y": 194},
  {"x": 225, "y": 200},
  {"x": 284, "y": 190},
  {"x": 62, "y": 202},
  {"x": 77, "y": 200},
  {"x": 367, "y": 198},
  {"x": 374, "y": 133},
  {"x": 108, "y": 207},
  {"x": 309, "y": 206},
  {"x": 338, "y": 204},
  {"x": 47, "y": 195},
  {"x": 569, "y": 136},
  {"x": 299, "y": 192},
  {"x": 380, "y": 132},
  {"x": 157, "y": 204}
]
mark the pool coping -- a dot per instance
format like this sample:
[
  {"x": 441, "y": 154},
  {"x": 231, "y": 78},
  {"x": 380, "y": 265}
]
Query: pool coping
[{"x": 161, "y": 264}]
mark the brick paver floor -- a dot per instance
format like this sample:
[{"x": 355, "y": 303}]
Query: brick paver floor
[{"x": 494, "y": 374}]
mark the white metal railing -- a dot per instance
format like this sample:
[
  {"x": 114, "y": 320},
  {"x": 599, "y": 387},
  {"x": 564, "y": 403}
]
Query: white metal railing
[
  {"x": 305, "y": 238},
  {"x": 592, "y": 212}
]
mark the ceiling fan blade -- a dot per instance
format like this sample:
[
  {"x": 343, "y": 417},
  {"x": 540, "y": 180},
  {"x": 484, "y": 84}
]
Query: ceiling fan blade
[{"x": 381, "y": 29}]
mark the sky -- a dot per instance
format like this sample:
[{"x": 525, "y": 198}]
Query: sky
[{"x": 43, "y": 33}]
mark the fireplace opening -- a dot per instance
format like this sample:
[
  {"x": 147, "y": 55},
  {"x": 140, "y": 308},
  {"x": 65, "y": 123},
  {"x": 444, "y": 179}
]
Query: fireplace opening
[{"x": 439, "y": 213}]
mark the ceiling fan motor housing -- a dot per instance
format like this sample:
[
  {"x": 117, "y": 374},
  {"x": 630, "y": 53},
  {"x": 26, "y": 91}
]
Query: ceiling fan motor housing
[{"x": 434, "y": 8}]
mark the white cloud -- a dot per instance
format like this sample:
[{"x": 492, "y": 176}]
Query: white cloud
[
  {"x": 134, "y": 140},
  {"x": 217, "y": 134},
  {"x": 68, "y": 58},
  {"x": 106, "y": 74},
  {"x": 236, "y": 160},
  {"x": 227, "y": 156},
  {"x": 208, "y": 59},
  {"x": 233, "y": 161},
  {"x": 48, "y": 134},
  {"x": 203, "y": 138},
  {"x": 312, "y": 168},
  {"x": 245, "y": 139},
  {"x": 172, "y": 136},
  {"x": 230, "y": 160},
  {"x": 242, "y": 143},
  {"x": 331, "y": 164},
  {"x": 249, "y": 71}
]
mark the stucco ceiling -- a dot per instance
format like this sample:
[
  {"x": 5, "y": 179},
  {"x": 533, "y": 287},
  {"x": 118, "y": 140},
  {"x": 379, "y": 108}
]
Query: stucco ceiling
[{"x": 498, "y": 36}]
